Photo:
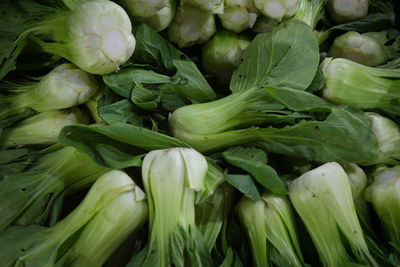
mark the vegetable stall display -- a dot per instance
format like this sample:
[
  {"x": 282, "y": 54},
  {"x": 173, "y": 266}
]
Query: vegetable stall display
[{"x": 199, "y": 133}]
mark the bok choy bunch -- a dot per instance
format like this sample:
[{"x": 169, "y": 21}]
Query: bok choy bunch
[
  {"x": 323, "y": 199},
  {"x": 42, "y": 128},
  {"x": 368, "y": 48},
  {"x": 64, "y": 87},
  {"x": 271, "y": 92},
  {"x": 384, "y": 194},
  {"x": 172, "y": 179},
  {"x": 113, "y": 208},
  {"x": 95, "y": 35},
  {"x": 347, "y": 82}
]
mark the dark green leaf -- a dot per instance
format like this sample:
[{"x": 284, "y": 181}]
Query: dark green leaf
[
  {"x": 297, "y": 100},
  {"x": 125, "y": 80},
  {"x": 15, "y": 241},
  {"x": 371, "y": 23},
  {"x": 7, "y": 156},
  {"x": 254, "y": 161},
  {"x": 145, "y": 98},
  {"x": 317, "y": 83},
  {"x": 121, "y": 112},
  {"x": 344, "y": 136},
  {"x": 189, "y": 82},
  {"x": 151, "y": 48},
  {"x": 288, "y": 56},
  {"x": 171, "y": 102},
  {"x": 107, "y": 145},
  {"x": 245, "y": 184}
]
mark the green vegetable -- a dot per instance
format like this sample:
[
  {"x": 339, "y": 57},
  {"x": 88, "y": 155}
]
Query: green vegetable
[
  {"x": 255, "y": 100},
  {"x": 238, "y": 15},
  {"x": 323, "y": 199},
  {"x": 388, "y": 134},
  {"x": 64, "y": 87},
  {"x": 212, "y": 213},
  {"x": 158, "y": 14},
  {"x": 277, "y": 9},
  {"x": 358, "y": 183},
  {"x": 254, "y": 162},
  {"x": 347, "y": 82},
  {"x": 213, "y": 6},
  {"x": 347, "y": 10},
  {"x": 270, "y": 227},
  {"x": 28, "y": 197},
  {"x": 384, "y": 195},
  {"x": 94, "y": 35},
  {"x": 114, "y": 207},
  {"x": 119, "y": 145},
  {"x": 311, "y": 11},
  {"x": 367, "y": 49},
  {"x": 42, "y": 128},
  {"x": 221, "y": 55},
  {"x": 191, "y": 26},
  {"x": 172, "y": 178}
]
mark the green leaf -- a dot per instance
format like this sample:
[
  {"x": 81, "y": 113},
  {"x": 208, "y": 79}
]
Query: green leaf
[
  {"x": 317, "y": 83},
  {"x": 108, "y": 145},
  {"x": 370, "y": 23},
  {"x": 15, "y": 240},
  {"x": 190, "y": 82},
  {"x": 145, "y": 98},
  {"x": 297, "y": 100},
  {"x": 288, "y": 56},
  {"x": 254, "y": 161},
  {"x": 125, "y": 80},
  {"x": 171, "y": 102},
  {"x": 344, "y": 136},
  {"x": 7, "y": 156},
  {"x": 151, "y": 48},
  {"x": 245, "y": 184},
  {"x": 121, "y": 112}
]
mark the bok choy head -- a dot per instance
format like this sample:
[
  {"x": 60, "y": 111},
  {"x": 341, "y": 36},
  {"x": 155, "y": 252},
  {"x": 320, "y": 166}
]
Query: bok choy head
[
  {"x": 64, "y": 87},
  {"x": 368, "y": 48},
  {"x": 348, "y": 82},
  {"x": 158, "y": 14},
  {"x": 323, "y": 199},
  {"x": 95, "y": 35},
  {"x": 384, "y": 194},
  {"x": 42, "y": 128},
  {"x": 114, "y": 207},
  {"x": 268, "y": 92},
  {"x": 221, "y": 55},
  {"x": 172, "y": 179}
]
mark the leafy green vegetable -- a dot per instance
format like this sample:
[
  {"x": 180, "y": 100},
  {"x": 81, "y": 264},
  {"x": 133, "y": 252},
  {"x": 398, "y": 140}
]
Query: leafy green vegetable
[
  {"x": 119, "y": 145},
  {"x": 74, "y": 239},
  {"x": 270, "y": 227},
  {"x": 27, "y": 197},
  {"x": 323, "y": 199},
  {"x": 254, "y": 161},
  {"x": 66, "y": 29},
  {"x": 172, "y": 178}
]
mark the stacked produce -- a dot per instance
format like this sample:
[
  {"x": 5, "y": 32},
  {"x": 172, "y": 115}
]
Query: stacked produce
[{"x": 199, "y": 133}]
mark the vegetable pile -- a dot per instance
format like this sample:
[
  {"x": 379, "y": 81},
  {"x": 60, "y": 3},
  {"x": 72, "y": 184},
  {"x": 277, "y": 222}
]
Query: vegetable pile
[{"x": 199, "y": 133}]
